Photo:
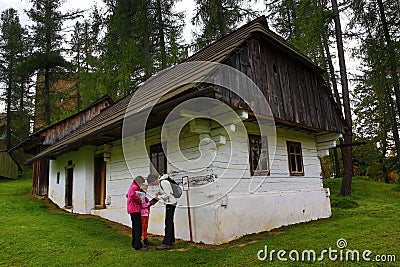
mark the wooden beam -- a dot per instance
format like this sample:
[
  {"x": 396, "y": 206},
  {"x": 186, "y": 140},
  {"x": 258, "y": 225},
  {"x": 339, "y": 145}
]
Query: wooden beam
[
  {"x": 352, "y": 144},
  {"x": 327, "y": 137},
  {"x": 200, "y": 126}
]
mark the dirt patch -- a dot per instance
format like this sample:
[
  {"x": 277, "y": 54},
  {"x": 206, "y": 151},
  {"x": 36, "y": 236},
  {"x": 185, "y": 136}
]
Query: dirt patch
[
  {"x": 84, "y": 216},
  {"x": 51, "y": 207},
  {"x": 121, "y": 229}
]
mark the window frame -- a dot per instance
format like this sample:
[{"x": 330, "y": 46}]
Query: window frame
[
  {"x": 254, "y": 172},
  {"x": 296, "y": 155}
]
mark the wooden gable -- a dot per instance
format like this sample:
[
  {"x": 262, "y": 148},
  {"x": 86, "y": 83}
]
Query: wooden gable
[
  {"x": 296, "y": 92},
  {"x": 55, "y": 132}
]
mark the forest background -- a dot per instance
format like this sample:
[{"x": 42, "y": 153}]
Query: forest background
[{"x": 57, "y": 61}]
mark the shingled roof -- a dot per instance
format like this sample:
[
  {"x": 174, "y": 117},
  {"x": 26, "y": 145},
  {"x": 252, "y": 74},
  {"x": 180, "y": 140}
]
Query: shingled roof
[
  {"x": 111, "y": 119},
  {"x": 225, "y": 46}
]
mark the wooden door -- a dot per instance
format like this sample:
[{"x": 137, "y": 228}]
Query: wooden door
[
  {"x": 99, "y": 182},
  {"x": 69, "y": 182}
]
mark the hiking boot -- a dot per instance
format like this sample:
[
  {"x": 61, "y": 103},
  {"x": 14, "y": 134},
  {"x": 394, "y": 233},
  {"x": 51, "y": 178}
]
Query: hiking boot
[
  {"x": 147, "y": 242},
  {"x": 163, "y": 247}
]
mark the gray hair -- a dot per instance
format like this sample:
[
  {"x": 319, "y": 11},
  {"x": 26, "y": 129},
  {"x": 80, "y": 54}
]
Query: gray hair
[
  {"x": 151, "y": 178},
  {"x": 139, "y": 179}
]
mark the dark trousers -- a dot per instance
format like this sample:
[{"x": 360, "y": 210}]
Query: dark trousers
[
  {"x": 136, "y": 219},
  {"x": 169, "y": 236}
]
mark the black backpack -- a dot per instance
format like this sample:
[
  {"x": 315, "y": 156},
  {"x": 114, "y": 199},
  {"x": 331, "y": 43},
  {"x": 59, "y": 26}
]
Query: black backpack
[{"x": 176, "y": 189}]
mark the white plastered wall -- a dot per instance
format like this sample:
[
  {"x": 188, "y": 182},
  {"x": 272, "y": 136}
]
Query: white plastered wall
[
  {"x": 230, "y": 212},
  {"x": 280, "y": 200},
  {"x": 83, "y": 180}
]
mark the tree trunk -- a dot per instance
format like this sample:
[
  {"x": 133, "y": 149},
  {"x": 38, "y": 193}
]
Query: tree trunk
[
  {"x": 78, "y": 80},
  {"x": 8, "y": 109},
  {"x": 348, "y": 135},
  {"x": 48, "y": 50},
  {"x": 146, "y": 39},
  {"x": 337, "y": 164},
  {"x": 46, "y": 96},
  {"x": 343, "y": 152},
  {"x": 161, "y": 35},
  {"x": 331, "y": 71},
  {"x": 393, "y": 121},
  {"x": 221, "y": 19}
]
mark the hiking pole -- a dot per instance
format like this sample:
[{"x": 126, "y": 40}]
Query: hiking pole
[{"x": 185, "y": 183}]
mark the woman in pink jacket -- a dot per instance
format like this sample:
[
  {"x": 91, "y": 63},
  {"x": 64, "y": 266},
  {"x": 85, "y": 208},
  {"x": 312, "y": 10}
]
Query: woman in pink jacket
[{"x": 134, "y": 206}]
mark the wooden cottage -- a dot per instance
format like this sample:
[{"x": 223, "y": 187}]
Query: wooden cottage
[
  {"x": 50, "y": 135},
  {"x": 239, "y": 179},
  {"x": 9, "y": 167}
]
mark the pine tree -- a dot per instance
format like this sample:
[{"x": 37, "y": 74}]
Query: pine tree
[
  {"x": 379, "y": 77},
  {"x": 283, "y": 14},
  {"x": 217, "y": 18},
  {"x": 85, "y": 51},
  {"x": 168, "y": 31},
  {"x": 152, "y": 42},
  {"x": 123, "y": 57},
  {"x": 48, "y": 39},
  {"x": 12, "y": 51}
]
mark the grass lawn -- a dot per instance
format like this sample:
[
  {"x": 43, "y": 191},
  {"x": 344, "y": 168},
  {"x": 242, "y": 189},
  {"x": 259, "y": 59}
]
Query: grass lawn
[{"x": 32, "y": 234}]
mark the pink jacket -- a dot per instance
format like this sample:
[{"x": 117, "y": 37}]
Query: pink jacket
[
  {"x": 133, "y": 203},
  {"x": 145, "y": 211}
]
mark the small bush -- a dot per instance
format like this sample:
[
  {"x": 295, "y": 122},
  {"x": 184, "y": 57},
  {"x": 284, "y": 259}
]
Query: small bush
[{"x": 344, "y": 203}]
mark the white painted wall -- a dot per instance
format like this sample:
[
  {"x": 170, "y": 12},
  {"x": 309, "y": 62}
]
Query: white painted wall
[
  {"x": 83, "y": 180},
  {"x": 280, "y": 200}
]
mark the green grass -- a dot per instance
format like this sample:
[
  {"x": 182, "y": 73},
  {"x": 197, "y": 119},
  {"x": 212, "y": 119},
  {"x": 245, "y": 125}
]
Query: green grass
[{"x": 31, "y": 235}]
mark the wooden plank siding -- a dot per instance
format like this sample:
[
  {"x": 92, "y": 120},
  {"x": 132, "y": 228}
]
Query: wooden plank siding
[
  {"x": 8, "y": 166},
  {"x": 40, "y": 177},
  {"x": 65, "y": 127},
  {"x": 296, "y": 93}
]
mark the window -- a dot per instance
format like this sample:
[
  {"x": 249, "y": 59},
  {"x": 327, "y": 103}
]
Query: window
[
  {"x": 295, "y": 158},
  {"x": 258, "y": 155},
  {"x": 58, "y": 177},
  {"x": 158, "y": 159}
]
